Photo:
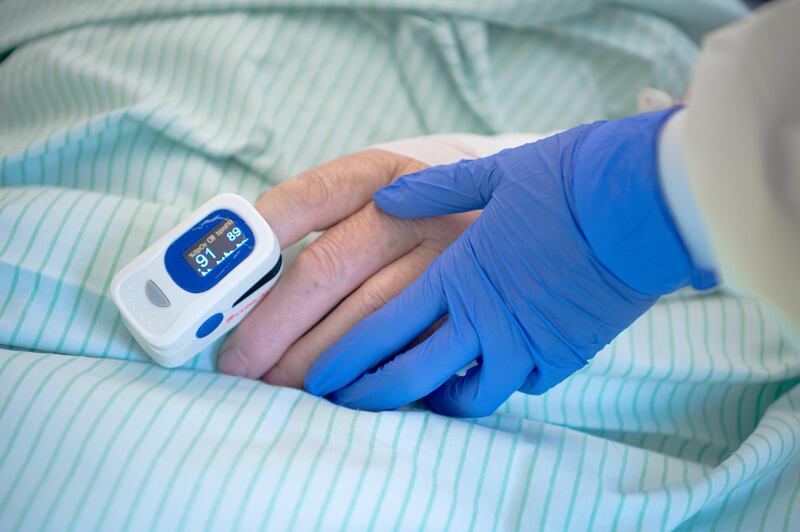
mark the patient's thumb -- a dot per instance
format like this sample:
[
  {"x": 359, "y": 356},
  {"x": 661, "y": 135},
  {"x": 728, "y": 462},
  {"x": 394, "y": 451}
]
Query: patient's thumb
[{"x": 463, "y": 186}]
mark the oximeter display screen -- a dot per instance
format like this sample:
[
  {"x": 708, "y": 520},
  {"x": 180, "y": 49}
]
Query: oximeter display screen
[{"x": 214, "y": 247}]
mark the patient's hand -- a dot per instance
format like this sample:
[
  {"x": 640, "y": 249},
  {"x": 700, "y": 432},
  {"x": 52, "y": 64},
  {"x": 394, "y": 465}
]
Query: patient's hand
[{"x": 363, "y": 259}]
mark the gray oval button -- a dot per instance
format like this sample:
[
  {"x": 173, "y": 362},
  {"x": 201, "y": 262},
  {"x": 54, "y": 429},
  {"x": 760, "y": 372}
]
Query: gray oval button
[{"x": 155, "y": 295}]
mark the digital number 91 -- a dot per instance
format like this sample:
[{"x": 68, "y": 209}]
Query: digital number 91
[
  {"x": 234, "y": 233},
  {"x": 201, "y": 259}
]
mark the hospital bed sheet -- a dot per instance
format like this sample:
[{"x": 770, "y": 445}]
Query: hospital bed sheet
[{"x": 117, "y": 118}]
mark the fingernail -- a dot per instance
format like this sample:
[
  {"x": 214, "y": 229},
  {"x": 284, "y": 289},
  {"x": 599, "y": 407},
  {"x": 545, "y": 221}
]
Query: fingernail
[{"x": 232, "y": 362}]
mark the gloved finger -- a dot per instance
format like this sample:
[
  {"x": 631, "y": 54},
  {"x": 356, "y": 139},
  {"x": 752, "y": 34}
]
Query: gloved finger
[
  {"x": 376, "y": 291},
  {"x": 415, "y": 373},
  {"x": 380, "y": 335},
  {"x": 320, "y": 197},
  {"x": 551, "y": 370},
  {"x": 504, "y": 365},
  {"x": 480, "y": 392},
  {"x": 505, "y": 360},
  {"x": 463, "y": 186},
  {"x": 322, "y": 275}
]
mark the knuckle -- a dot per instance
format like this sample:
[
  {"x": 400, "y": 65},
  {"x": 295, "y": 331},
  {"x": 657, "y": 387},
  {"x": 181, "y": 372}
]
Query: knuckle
[
  {"x": 323, "y": 262},
  {"x": 372, "y": 298},
  {"x": 313, "y": 189}
]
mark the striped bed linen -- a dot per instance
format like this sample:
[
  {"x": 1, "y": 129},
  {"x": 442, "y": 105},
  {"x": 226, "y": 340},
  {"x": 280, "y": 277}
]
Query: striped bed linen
[{"x": 117, "y": 118}]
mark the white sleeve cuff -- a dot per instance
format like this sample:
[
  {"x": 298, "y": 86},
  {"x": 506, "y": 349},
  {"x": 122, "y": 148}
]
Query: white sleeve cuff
[{"x": 678, "y": 194}]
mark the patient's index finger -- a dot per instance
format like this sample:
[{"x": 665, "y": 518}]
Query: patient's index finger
[
  {"x": 380, "y": 335},
  {"x": 318, "y": 198}
]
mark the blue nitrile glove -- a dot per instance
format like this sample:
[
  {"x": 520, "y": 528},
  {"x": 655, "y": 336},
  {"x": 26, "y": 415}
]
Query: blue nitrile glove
[{"x": 573, "y": 244}]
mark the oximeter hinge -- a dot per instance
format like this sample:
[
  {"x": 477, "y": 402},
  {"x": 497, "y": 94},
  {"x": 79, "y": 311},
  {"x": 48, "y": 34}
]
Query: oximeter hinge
[{"x": 270, "y": 275}]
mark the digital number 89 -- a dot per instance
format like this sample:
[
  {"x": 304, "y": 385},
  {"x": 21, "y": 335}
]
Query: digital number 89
[{"x": 234, "y": 233}]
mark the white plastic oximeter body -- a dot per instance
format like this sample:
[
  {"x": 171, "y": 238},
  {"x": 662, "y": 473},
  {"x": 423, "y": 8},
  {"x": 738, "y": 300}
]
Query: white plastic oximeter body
[{"x": 199, "y": 280}]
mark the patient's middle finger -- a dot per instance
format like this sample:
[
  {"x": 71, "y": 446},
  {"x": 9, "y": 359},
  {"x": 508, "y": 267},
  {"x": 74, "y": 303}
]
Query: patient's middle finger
[{"x": 321, "y": 276}]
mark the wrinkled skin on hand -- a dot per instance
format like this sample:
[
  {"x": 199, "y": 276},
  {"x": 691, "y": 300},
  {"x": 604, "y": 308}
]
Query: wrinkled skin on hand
[{"x": 362, "y": 260}]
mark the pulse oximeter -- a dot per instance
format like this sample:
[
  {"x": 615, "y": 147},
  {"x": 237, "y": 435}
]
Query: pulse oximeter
[{"x": 199, "y": 280}]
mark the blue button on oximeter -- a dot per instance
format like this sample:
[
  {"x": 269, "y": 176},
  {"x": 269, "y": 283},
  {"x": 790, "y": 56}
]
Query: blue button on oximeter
[{"x": 209, "y": 325}]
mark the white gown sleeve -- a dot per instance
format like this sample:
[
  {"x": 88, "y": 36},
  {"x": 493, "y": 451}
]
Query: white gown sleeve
[{"x": 452, "y": 147}]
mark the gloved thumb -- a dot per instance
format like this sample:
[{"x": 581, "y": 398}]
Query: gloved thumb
[{"x": 463, "y": 186}]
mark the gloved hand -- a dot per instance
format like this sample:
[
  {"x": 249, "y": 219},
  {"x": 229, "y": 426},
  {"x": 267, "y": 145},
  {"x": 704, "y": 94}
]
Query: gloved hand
[{"x": 573, "y": 244}]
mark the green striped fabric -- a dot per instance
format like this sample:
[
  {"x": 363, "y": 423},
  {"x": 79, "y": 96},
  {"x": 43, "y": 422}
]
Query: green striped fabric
[{"x": 116, "y": 118}]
